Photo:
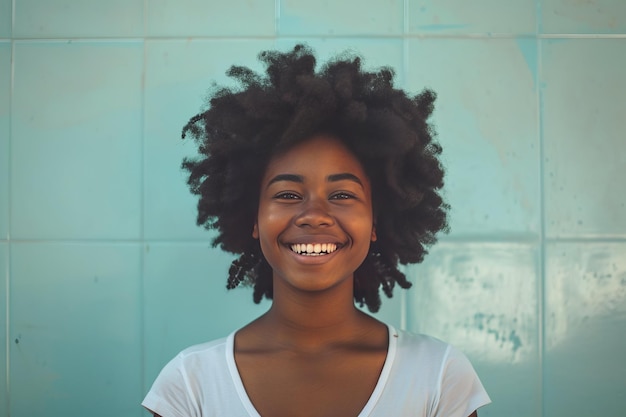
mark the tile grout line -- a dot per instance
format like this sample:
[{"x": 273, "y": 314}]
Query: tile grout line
[
  {"x": 276, "y": 20},
  {"x": 142, "y": 205},
  {"x": 469, "y": 35},
  {"x": 405, "y": 18},
  {"x": 7, "y": 271},
  {"x": 541, "y": 293},
  {"x": 583, "y": 36},
  {"x": 404, "y": 309},
  {"x": 492, "y": 239}
]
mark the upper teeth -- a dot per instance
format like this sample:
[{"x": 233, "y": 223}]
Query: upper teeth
[{"x": 313, "y": 249}]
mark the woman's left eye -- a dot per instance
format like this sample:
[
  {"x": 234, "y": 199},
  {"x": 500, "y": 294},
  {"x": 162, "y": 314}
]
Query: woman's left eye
[{"x": 341, "y": 196}]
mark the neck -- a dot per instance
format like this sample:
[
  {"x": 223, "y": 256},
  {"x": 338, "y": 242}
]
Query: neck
[{"x": 314, "y": 320}]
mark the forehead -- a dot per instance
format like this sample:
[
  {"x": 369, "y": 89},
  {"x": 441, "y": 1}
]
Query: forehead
[{"x": 320, "y": 152}]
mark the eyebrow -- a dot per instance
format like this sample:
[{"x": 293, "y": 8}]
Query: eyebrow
[
  {"x": 331, "y": 178},
  {"x": 286, "y": 177},
  {"x": 344, "y": 176}
]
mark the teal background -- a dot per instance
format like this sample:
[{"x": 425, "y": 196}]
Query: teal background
[{"x": 104, "y": 275}]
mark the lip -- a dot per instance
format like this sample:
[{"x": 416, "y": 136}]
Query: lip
[
  {"x": 313, "y": 239},
  {"x": 312, "y": 260}
]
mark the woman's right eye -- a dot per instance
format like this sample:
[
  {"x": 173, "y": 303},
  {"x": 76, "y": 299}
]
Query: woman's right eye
[{"x": 287, "y": 196}]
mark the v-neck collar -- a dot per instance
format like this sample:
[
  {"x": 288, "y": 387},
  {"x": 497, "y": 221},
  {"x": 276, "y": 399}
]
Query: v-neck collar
[{"x": 367, "y": 409}]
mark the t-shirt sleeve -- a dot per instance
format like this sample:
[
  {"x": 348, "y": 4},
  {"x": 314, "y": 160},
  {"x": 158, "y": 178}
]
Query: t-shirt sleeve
[
  {"x": 461, "y": 392},
  {"x": 170, "y": 395}
]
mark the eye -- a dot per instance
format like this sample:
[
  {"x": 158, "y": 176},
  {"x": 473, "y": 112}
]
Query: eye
[
  {"x": 342, "y": 196},
  {"x": 287, "y": 196}
]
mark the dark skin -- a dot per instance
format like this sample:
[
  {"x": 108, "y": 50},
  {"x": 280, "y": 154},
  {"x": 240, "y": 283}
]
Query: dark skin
[{"x": 323, "y": 356}]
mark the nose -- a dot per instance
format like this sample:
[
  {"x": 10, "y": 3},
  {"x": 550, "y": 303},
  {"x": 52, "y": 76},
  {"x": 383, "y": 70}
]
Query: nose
[{"x": 314, "y": 214}]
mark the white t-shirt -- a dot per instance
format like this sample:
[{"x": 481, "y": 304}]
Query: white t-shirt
[{"x": 422, "y": 376}]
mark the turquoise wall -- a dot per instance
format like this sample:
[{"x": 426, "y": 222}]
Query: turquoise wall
[{"x": 104, "y": 275}]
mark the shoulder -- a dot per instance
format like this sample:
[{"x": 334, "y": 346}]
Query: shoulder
[
  {"x": 443, "y": 371},
  {"x": 193, "y": 365},
  {"x": 204, "y": 349},
  {"x": 201, "y": 356},
  {"x": 431, "y": 356},
  {"x": 195, "y": 374},
  {"x": 420, "y": 345},
  {"x": 194, "y": 362}
]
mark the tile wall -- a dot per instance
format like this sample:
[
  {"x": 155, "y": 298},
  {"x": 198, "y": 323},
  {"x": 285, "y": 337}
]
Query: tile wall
[{"x": 104, "y": 275}]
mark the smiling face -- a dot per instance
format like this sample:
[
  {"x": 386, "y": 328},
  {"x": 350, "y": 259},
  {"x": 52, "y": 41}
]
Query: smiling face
[{"x": 315, "y": 220}]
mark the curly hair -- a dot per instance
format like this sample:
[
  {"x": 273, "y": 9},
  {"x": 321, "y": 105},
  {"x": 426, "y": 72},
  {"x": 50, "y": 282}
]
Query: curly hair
[{"x": 386, "y": 129}]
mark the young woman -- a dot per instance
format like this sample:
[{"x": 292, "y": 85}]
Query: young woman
[{"x": 322, "y": 182}]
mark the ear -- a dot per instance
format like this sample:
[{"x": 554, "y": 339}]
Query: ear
[
  {"x": 374, "y": 237},
  {"x": 255, "y": 231}
]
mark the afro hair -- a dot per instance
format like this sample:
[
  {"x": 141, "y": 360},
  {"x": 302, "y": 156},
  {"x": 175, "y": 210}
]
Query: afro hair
[{"x": 386, "y": 129}]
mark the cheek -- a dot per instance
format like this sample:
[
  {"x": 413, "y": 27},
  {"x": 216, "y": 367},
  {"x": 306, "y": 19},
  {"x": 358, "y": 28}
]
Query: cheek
[
  {"x": 361, "y": 228},
  {"x": 271, "y": 222}
]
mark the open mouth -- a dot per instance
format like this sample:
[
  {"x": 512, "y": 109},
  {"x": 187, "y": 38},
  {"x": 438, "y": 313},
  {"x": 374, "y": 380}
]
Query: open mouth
[{"x": 313, "y": 249}]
